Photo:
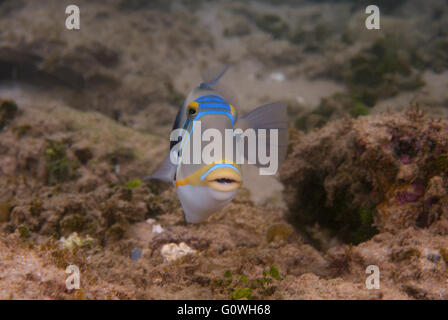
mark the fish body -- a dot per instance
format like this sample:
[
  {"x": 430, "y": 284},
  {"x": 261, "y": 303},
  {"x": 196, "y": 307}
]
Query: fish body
[{"x": 204, "y": 187}]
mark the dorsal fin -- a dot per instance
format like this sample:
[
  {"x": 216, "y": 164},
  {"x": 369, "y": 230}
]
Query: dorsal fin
[
  {"x": 210, "y": 81},
  {"x": 211, "y": 77}
]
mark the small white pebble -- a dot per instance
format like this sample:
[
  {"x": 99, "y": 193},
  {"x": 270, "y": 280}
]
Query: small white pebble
[
  {"x": 157, "y": 228},
  {"x": 300, "y": 100},
  {"x": 150, "y": 221},
  {"x": 278, "y": 76}
]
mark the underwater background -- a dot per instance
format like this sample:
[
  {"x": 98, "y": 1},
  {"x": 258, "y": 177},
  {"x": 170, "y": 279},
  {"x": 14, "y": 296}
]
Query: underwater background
[{"x": 85, "y": 114}]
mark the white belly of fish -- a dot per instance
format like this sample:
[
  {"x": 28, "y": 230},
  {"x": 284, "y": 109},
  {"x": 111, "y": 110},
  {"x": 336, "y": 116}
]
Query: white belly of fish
[{"x": 199, "y": 202}]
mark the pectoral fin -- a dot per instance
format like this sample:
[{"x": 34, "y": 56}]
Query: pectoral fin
[
  {"x": 166, "y": 172},
  {"x": 269, "y": 116}
]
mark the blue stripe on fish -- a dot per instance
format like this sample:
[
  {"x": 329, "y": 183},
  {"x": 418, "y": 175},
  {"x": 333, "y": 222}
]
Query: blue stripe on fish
[
  {"x": 211, "y": 112},
  {"x": 221, "y": 165},
  {"x": 210, "y": 97},
  {"x": 188, "y": 123},
  {"x": 214, "y": 105}
]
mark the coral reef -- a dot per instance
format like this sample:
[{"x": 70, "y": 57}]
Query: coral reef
[
  {"x": 331, "y": 108},
  {"x": 355, "y": 178},
  {"x": 381, "y": 71},
  {"x": 84, "y": 116},
  {"x": 380, "y": 188}
]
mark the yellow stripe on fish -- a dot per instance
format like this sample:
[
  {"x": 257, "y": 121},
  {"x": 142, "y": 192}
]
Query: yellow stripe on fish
[{"x": 222, "y": 176}]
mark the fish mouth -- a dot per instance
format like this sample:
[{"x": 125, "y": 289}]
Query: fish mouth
[{"x": 224, "y": 180}]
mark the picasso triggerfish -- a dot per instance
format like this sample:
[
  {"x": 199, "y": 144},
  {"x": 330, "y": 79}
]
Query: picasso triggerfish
[{"x": 206, "y": 186}]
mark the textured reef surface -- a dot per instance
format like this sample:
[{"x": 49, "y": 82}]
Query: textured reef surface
[
  {"x": 85, "y": 115},
  {"x": 378, "y": 196}
]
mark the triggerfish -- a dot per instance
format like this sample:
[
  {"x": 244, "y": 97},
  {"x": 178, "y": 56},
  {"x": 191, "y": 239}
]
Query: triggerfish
[{"x": 204, "y": 187}]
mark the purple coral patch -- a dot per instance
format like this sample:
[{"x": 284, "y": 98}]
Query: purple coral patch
[{"x": 411, "y": 196}]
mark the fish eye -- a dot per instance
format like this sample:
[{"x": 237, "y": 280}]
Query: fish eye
[{"x": 192, "y": 109}]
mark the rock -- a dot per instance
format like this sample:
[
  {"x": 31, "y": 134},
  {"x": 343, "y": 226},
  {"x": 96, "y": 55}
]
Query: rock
[
  {"x": 407, "y": 173},
  {"x": 157, "y": 228},
  {"x": 172, "y": 251},
  {"x": 436, "y": 188},
  {"x": 84, "y": 154},
  {"x": 136, "y": 254},
  {"x": 349, "y": 176},
  {"x": 74, "y": 241},
  {"x": 278, "y": 232}
]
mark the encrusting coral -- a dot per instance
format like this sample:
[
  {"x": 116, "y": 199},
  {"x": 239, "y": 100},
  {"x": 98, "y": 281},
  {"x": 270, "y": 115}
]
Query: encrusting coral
[{"x": 375, "y": 174}]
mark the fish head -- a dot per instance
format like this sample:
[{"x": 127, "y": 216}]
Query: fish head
[{"x": 206, "y": 180}]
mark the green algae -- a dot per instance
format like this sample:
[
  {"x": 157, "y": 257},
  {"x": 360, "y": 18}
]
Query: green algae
[
  {"x": 299, "y": 36},
  {"x": 313, "y": 40},
  {"x": 366, "y": 214},
  {"x": 36, "y": 207},
  {"x": 57, "y": 164},
  {"x": 330, "y": 108},
  {"x": 382, "y": 70},
  {"x": 272, "y": 24},
  {"x": 8, "y": 110},
  {"x": 134, "y": 183},
  {"x": 241, "y": 293},
  {"x": 24, "y": 232},
  {"x": 359, "y": 109},
  {"x": 321, "y": 32},
  {"x": 442, "y": 162},
  {"x": 274, "y": 272},
  {"x": 351, "y": 223},
  {"x": 239, "y": 286},
  {"x": 21, "y": 130}
]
